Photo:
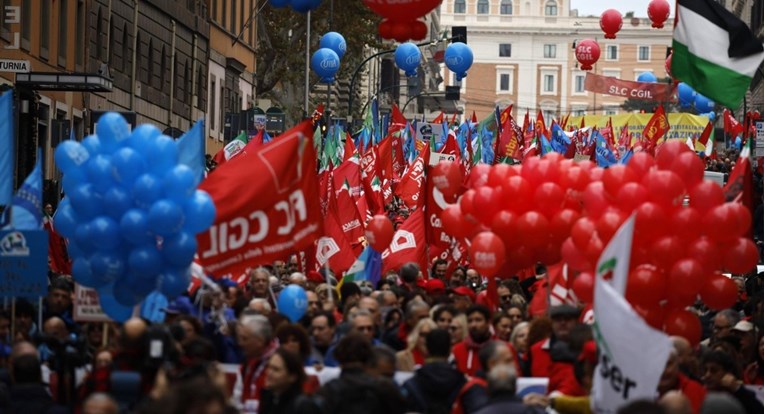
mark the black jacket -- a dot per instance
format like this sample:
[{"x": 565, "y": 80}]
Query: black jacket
[
  {"x": 32, "y": 399},
  {"x": 357, "y": 392},
  {"x": 291, "y": 402},
  {"x": 436, "y": 385}
]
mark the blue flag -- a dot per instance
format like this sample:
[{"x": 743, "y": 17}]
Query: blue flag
[
  {"x": 487, "y": 146},
  {"x": 559, "y": 141},
  {"x": 544, "y": 144},
  {"x": 191, "y": 150},
  {"x": 6, "y": 148},
  {"x": 26, "y": 212},
  {"x": 626, "y": 157},
  {"x": 603, "y": 154}
]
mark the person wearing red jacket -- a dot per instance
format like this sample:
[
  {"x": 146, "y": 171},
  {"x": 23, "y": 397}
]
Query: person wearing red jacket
[
  {"x": 672, "y": 380},
  {"x": 256, "y": 339},
  {"x": 554, "y": 357},
  {"x": 466, "y": 353}
]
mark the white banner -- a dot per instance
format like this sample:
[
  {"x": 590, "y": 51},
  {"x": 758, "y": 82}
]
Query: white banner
[
  {"x": 615, "y": 258},
  {"x": 624, "y": 373}
]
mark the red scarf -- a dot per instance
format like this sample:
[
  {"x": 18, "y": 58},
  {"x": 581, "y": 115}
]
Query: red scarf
[
  {"x": 253, "y": 374},
  {"x": 419, "y": 359}
]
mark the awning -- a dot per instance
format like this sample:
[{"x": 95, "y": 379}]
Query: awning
[{"x": 52, "y": 81}]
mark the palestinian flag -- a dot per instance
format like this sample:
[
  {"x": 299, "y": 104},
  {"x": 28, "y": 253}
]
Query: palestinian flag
[{"x": 713, "y": 51}]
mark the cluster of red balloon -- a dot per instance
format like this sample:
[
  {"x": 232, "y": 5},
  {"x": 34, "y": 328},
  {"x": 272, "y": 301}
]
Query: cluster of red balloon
[
  {"x": 401, "y": 21},
  {"x": 552, "y": 209}
]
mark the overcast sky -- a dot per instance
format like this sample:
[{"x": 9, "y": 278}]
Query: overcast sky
[{"x": 596, "y": 7}]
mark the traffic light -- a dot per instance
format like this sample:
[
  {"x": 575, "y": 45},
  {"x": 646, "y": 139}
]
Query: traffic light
[{"x": 459, "y": 34}]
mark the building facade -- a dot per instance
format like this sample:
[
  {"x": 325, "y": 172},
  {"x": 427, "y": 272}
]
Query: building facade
[{"x": 524, "y": 55}]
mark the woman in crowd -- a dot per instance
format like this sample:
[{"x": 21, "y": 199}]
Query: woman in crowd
[
  {"x": 503, "y": 326},
  {"x": 520, "y": 341},
  {"x": 283, "y": 392},
  {"x": 458, "y": 328},
  {"x": 416, "y": 352}
]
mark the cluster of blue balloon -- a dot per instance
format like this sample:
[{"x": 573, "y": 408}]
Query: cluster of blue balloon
[
  {"x": 688, "y": 97},
  {"x": 131, "y": 213},
  {"x": 408, "y": 58},
  {"x": 326, "y": 61},
  {"x": 302, "y": 6},
  {"x": 459, "y": 58}
]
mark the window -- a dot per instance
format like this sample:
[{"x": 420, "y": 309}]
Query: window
[
  {"x": 45, "y": 27},
  {"x": 579, "y": 84},
  {"x": 138, "y": 56},
  {"x": 505, "y": 49},
  {"x": 125, "y": 49},
  {"x": 459, "y": 6},
  {"x": 223, "y": 15},
  {"x": 186, "y": 87},
  {"x": 162, "y": 69},
  {"x": 482, "y": 7},
  {"x": 504, "y": 80},
  {"x": 150, "y": 68},
  {"x": 112, "y": 39},
  {"x": 213, "y": 112},
  {"x": 62, "y": 34},
  {"x": 26, "y": 23},
  {"x": 612, "y": 73},
  {"x": 612, "y": 52},
  {"x": 232, "y": 23},
  {"x": 610, "y": 110},
  {"x": 550, "y": 51},
  {"x": 79, "y": 45},
  {"x": 548, "y": 83},
  {"x": 221, "y": 108},
  {"x": 506, "y": 7},
  {"x": 551, "y": 8},
  {"x": 644, "y": 53},
  {"x": 214, "y": 13}
]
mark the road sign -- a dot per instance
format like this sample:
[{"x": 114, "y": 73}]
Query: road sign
[{"x": 15, "y": 66}]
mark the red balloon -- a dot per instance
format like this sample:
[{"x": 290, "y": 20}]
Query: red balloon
[
  {"x": 517, "y": 194},
  {"x": 534, "y": 228},
  {"x": 680, "y": 322},
  {"x": 586, "y": 165},
  {"x": 608, "y": 224},
  {"x": 641, "y": 163},
  {"x": 549, "y": 254},
  {"x": 658, "y": 12},
  {"x": 447, "y": 177},
  {"x": 498, "y": 174},
  {"x": 741, "y": 256},
  {"x": 719, "y": 292},
  {"x": 574, "y": 257},
  {"x": 418, "y": 30},
  {"x": 379, "y": 232},
  {"x": 664, "y": 187},
  {"x": 561, "y": 223},
  {"x": 630, "y": 196},
  {"x": 721, "y": 223},
  {"x": 466, "y": 205},
  {"x": 594, "y": 249},
  {"x": 685, "y": 223},
  {"x": 454, "y": 223},
  {"x": 667, "y": 152},
  {"x": 587, "y": 53},
  {"x": 594, "y": 199},
  {"x": 706, "y": 252},
  {"x": 546, "y": 171},
  {"x": 685, "y": 280},
  {"x": 650, "y": 221},
  {"x": 611, "y": 23},
  {"x": 640, "y": 255},
  {"x": 520, "y": 256},
  {"x": 575, "y": 178},
  {"x": 529, "y": 168},
  {"x": 581, "y": 232},
  {"x": 479, "y": 175},
  {"x": 616, "y": 176},
  {"x": 486, "y": 203},
  {"x": 402, "y": 31},
  {"x": 666, "y": 251},
  {"x": 668, "y": 65},
  {"x": 397, "y": 12},
  {"x": 743, "y": 218},
  {"x": 646, "y": 286},
  {"x": 385, "y": 29},
  {"x": 563, "y": 164},
  {"x": 596, "y": 174},
  {"x": 584, "y": 286},
  {"x": 653, "y": 315},
  {"x": 503, "y": 225},
  {"x": 689, "y": 167},
  {"x": 553, "y": 157},
  {"x": 548, "y": 198},
  {"x": 706, "y": 195},
  {"x": 487, "y": 253}
]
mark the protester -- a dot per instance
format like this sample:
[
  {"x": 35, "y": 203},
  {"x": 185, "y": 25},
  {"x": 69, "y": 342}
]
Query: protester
[
  {"x": 721, "y": 375},
  {"x": 479, "y": 334},
  {"x": 416, "y": 352},
  {"x": 255, "y": 337},
  {"x": 501, "y": 389},
  {"x": 672, "y": 380},
  {"x": 285, "y": 379}
]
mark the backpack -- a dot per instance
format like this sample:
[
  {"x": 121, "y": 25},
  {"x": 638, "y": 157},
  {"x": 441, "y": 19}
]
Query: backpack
[{"x": 457, "y": 407}]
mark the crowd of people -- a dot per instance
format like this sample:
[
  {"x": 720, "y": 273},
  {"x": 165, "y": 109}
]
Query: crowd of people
[{"x": 420, "y": 341}]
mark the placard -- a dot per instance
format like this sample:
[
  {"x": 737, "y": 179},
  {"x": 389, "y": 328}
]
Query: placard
[
  {"x": 23, "y": 263},
  {"x": 436, "y": 157},
  {"x": 87, "y": 306}
]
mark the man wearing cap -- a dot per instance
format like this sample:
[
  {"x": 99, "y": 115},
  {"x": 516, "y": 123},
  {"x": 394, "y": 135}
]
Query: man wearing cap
[
  {"x": 553, "y": 357},
  {"x": 463, "y": 298},
  {"x": 435, "y": 288}
]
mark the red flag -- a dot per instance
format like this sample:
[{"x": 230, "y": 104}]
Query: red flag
[
  {"x": 267, "y": 205},
  {"x": 454, "y": 120},
  {"x": 411, "y": 189},
  {"x": 624, "y": 139},
  {"x": 555, "y": 290},
  {"x": 539, "y": 125},
  {"x": 397, "y": 120},
  {"x": 473, "y": 118},
  {"x": 656, "y": 127},
  {"x": 385, "y": 158},
  {"x": 439, "y": 119},
  {"x": 349, "y": 219},
  {"x": 509, "y": 142},
  {"x": 739, "y": 185},
  {"x": 731, "y": 126},
  {"x": 371, "y": 183},
  {"x": 451, "y": 147},
  {"x": 564, "y": 122},
  {"x": 350, "y": 149},
  {"x": 58, "y": 255},
  {"x": 399, "y": 164},
  {"x": 437, "y": 239},
  {"x": 704, "y": 138},
  {"x": 408, "y": 244},
  {"x": 334, "y": 246},
  {"x": 324, "y": 178},
  {"x": 348, "y": 172}
]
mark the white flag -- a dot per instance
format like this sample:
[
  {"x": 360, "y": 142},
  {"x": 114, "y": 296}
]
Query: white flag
[
  {"x": 624, "y": 373},
  {"x": 615, "y": 258}
]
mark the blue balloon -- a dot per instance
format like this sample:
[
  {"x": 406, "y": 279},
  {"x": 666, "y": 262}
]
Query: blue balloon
[
  {"x": 738, "y": 143},
  {"x": 293, "y": 302},
  {"x": 685, "y": 93},
  {"x": 142, "y": 137},
  {"x": 92, "y": 144},
  {"x": 174, "y": 282},
  {"x": 408, "y": 58},
  {"x": 459, "y": 58},
  {"x": 153, "y": 308},
  {"x": 703, "y": 104},
  {"x": 199, "y": 211},
  {"x": 127, "y": 165},
  {"x": 86, "y": 201},
  {"x": 145, "y": 261},
  {"x": 73, "y": 249},
  {"x": 146, "y": 190},
  {"x": 179, "y": 250},
  {"x": 161, "y": 155},
  {"x": 112, "y": 308},
  {"x": 647, "y": 77},
  {"x": 82, "y": 237},
  {"x": 325, "y": 63},
  {"x": 112, "y": 130},
  {"x": 334, "y": 41},
  {"x": 117, "y": 201},
  {"x": 179, "y": 183},
  {"x": 100, "y": 172},
  {"x": 711, "y": 115},
  {"x": 105, "y": 233},
  {"x": 165, "y": 217},
  {"x": 74, "y": 178},
  {"x": 107, "y": 266},
  {"x": 69, "y": 155},
  {"x": 304, "y": 6},
  {"x": 66, "y": 220},
  {"x": 123, "y": 293},
  {"x": 134, "y": 227},
  {"x": 83, "y": 274}
]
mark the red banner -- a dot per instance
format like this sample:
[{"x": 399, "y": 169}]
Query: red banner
[
  {"x": 267, "y": 205},
  {"x": 635, "y": 90}
]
